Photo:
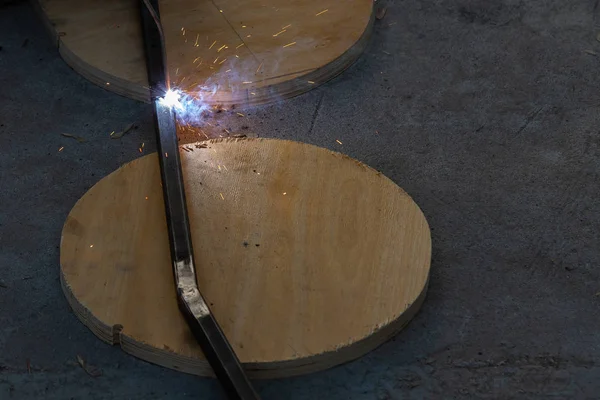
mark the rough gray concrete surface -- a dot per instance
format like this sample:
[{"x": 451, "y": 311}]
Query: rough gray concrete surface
[{"x": 486, "y": 112}]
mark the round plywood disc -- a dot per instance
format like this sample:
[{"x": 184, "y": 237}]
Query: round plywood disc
[
  {"x": 307, "y": 257},
  {"x": 245, "y": 51}
]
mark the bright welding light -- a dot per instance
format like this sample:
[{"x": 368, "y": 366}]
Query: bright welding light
[{"x": 171, "y": 99}]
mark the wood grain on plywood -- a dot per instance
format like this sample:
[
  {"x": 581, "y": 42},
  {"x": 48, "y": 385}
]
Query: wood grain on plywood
[
  {"x": 307, "y": 257},
  {"x": 279, "y": 48}
]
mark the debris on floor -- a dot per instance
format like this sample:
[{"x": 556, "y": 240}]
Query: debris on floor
[
  {"x": 78, "y": 138},
  {"x": 119, "y": 135},
  {"x": 89, "y": 369}
]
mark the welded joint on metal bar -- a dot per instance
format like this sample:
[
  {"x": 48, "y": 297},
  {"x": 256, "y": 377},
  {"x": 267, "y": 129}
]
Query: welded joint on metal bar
[{"x": 187, "y": 287}]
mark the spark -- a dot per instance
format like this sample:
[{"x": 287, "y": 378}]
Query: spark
[
  {"x": 222, "y": 61},
  {"x": 246, "y": 82},
  {"x": 259, "y": 67},
  {"x": 91, "y": 245},
  {"x": 222, "y": 196},
  {"x": 220, "y": 11},
  {"x": 225, "y": 168},
  {"x": 253, "y": 94},
  {"x": 249, "y": 36},
  {"x": 287, "y": 26},
  {"x": 171, "y": 99},
  {"x": 222, "y": 47},
  {"x": 195, "y": 59},
  {"x": 322, "y": 12},
  {"x": 197, "y": 37},
  {"x": 279, "y": 33},
  {"x": 177, "y": 71},
  {"x": 236, "y": 56},
  {"x": 240, "y": 114},
  {"x": 107, "y": 83},
  {"x": 219, "y": 167},
  {"x": 61, "y": 149},
  {"x": 239, "y": 45},
  {"x": 284, "y": 193},
  {"x": 112, "y": 133},
  {"x": 311, "y": 82},
  {"x": 338, "y": 141},
  {"x": 228, "y": 70},
  {"x": 290, "y": 44},
  {"x": 243, "y": 26},
  {"x": 183, "y": 30},
  {"x": 213, "y": 43},
  {"x": 146, "y": 197},
  {"x": 166, "y": 155},
  {"x": 215, "y": 60}
]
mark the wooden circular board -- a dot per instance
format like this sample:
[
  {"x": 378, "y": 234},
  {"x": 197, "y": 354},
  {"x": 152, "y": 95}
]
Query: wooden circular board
[
  {"x": 307, "y": 257},
  {"x": 281, "y": 47}
]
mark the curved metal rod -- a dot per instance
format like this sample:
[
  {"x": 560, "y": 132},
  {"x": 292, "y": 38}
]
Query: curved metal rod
[{"x": 206, "y": 330}]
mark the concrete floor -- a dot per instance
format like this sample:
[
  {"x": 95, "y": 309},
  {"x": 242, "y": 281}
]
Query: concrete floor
[{"x": 486, "y": 112}]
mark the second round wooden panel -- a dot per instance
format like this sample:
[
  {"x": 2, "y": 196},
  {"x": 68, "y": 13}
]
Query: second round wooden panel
[
  {"x": 224, "y": 51},
  {"x": 307, "y": 257}
]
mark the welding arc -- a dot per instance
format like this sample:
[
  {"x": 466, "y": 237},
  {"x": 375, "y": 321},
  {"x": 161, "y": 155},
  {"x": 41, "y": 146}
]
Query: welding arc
[{"x": 193, "y": 306}]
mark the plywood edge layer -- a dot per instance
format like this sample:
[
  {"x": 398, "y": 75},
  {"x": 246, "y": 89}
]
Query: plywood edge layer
[
  {"x": 306, "y": 81},
  {"x": 96, "y": 76},
  {"x": 303, "y": 83},
  {"x": 108, "y": 334},
  {"x": 100, "y": 78},
  {"x": 272, "y": 370}
]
